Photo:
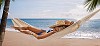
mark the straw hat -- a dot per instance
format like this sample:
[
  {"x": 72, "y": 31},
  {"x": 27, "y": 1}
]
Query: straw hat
[{"x": 61, "y": 23}]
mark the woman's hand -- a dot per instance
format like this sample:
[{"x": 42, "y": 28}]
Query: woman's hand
[{"x": 56, "y": 29}]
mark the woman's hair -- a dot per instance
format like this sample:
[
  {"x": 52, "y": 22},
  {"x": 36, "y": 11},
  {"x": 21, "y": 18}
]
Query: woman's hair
[
  {"x": 62, "y": 27},
  {"x": 71, "y": 22}
]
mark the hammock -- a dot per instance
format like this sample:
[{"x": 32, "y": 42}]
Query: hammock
[{"x": 19, "y": 23}]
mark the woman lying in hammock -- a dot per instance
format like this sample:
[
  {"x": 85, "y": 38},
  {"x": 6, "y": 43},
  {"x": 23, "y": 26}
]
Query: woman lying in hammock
[{"x": 40, "y": 34}]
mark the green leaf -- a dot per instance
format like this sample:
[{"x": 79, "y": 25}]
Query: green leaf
[
  {"x": 91, "y": 4},
  {"x": 1, "y": 3}
]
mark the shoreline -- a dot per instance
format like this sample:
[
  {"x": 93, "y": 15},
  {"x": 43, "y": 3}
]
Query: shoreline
[{"x": 20, "y": 39}]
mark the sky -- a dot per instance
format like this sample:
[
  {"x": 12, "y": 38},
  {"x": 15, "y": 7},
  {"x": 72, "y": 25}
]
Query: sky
[{"x": 48, "y": 9}]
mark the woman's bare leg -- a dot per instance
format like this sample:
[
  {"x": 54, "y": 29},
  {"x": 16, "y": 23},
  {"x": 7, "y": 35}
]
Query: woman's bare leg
[
  {"x": 35, "y": 30},
  {"x": 26, "y": 32},
  {"x": 31, "y": 29}
]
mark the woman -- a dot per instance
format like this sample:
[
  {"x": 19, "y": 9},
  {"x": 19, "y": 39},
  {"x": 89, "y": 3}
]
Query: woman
[{"x": 40, "y": 34}]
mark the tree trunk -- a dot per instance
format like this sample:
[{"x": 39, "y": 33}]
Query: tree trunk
[{"x": 4, "y": 21}]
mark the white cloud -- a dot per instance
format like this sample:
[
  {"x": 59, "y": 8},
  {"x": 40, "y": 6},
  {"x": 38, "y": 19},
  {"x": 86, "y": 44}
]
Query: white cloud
[
  {"x": 77, "y": 12},
  {"x": 48, "y": 14},
  {"x": 49, "y": 9},
  {"x": 80, "y": 12}
]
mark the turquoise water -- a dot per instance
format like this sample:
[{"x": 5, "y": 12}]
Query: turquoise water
[
  {"x": 90, "y": 29},
  {"x": 40, "y": 23}
]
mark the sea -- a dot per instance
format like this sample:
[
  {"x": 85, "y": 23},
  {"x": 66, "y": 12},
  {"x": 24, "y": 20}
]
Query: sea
[{"x": 89, "y": 30}]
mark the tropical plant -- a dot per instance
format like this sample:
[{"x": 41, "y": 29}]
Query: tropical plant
[
  {"x": 3, "y": 19},
  {"x": 92, "y": 4}
]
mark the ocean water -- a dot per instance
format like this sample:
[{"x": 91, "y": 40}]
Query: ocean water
[{"x": 90, "y": 29}]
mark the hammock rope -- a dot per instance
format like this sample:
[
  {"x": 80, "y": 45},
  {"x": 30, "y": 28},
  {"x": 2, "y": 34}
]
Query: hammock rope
[{"x": 19, "y": 23}]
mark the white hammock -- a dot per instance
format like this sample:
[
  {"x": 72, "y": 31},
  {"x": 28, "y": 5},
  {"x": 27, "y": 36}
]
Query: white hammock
[{"x": 19, "y": 23}]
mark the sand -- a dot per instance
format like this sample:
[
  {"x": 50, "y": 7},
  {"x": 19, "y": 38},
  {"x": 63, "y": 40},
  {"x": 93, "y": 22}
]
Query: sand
[{"x": 20, "y": 39}]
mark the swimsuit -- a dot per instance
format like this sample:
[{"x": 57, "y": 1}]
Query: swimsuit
[
  {"x": 44, "y": 30},
  {"x": 39, "y": 33},
  {"x": 49, "y": 31}
]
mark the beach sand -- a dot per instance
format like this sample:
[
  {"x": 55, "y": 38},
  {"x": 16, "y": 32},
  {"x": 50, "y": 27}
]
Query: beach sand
[{"x": 20, "y": 39}]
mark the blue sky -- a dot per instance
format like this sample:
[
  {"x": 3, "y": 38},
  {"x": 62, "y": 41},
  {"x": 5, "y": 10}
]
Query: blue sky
[{"x": 47, "y": 9}]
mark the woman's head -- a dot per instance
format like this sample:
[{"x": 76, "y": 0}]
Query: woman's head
[
  {"x": 71, "y": 22},
  {"x": 59, "y": 28},
  {"x": 62, "y": 23}
]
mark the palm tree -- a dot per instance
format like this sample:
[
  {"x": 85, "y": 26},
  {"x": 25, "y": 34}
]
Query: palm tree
[
  {"x": 92, "y": 4},
  {"x": 3, "y": 19}
]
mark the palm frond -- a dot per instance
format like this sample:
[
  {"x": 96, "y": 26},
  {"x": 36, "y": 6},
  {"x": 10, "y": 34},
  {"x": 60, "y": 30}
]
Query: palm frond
[
  {"x": 91, "y": 4},
  {"x": 1, "y": 3},
  {"x": 13, "y": 0},
  {"x": 98, "y": 2},
  {"x": 87, "y": 1}
]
